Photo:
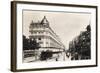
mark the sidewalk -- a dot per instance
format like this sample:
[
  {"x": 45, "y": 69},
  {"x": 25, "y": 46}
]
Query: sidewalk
[{"x": 56, "y": 57}]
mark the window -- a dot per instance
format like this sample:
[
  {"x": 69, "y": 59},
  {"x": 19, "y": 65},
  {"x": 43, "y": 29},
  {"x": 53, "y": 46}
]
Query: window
[
  {"x": 41, "y": 42},
  {"x": 46, "y": 42},
  {"x": 39, "y": 38},
  {"x": 35, "y": 32}
]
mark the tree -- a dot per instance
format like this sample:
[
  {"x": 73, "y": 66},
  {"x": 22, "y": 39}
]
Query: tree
[
  {"x": 45, "y": 55},
  {"x": 30, "y": 44},
  {"x": 80, "y": 47},
  {"x": 33, "y": 45},
  {"x": 25, "y": 43}
]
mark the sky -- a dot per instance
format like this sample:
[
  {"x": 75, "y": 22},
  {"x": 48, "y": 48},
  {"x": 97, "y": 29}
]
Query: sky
[{"x": 67, "y": 25}]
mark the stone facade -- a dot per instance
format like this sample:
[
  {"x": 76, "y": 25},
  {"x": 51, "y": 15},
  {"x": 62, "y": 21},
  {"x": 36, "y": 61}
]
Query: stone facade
[{"x": 45, "y": 36}]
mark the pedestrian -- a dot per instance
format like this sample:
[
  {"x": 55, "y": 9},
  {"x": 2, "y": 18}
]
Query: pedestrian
[{"x": 56, "y": 59}]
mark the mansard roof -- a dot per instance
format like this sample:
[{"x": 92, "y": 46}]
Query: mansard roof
[{"x": 44, "y": 20}]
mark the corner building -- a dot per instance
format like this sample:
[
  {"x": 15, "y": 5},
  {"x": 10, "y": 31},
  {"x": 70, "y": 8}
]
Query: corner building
[{"x": 45, "y": 36}]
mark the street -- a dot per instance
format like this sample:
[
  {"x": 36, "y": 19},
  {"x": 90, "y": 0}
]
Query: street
[{"x": 56, "y": 57}]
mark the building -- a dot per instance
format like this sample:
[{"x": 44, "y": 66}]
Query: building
[
  {"x": 80, "y": 46},
  {"x": 45, "y": 36}
]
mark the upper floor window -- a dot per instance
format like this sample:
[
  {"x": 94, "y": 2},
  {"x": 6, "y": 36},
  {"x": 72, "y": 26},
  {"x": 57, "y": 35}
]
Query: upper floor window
[{"x": 39, "y": 38}]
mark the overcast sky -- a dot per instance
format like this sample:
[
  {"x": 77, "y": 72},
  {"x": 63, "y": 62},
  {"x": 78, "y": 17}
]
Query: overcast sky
[{"x": 66, "y": 25}]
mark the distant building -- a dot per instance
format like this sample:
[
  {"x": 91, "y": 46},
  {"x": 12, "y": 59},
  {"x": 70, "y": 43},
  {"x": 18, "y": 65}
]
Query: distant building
[
  {"x": 80, "y": 46},
  {"x": 45, "y": 36}
]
